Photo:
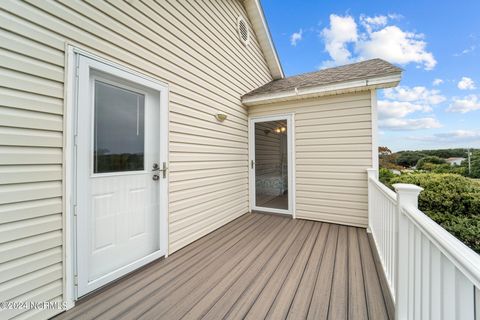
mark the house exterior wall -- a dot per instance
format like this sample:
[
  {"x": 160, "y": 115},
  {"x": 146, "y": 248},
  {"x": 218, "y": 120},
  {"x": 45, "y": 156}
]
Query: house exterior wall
[
  {"x": 333, "y": 149},
  {"x": 191, "y": 45}
]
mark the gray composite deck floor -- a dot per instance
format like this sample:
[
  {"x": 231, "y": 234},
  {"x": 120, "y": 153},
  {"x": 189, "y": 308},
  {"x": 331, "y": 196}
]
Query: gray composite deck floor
[{"x": 258, "y": 266}]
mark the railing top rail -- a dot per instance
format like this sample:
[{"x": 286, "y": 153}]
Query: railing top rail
[
  {"x": 464, "y": 258},
  {"x": 383, "y": 188}
]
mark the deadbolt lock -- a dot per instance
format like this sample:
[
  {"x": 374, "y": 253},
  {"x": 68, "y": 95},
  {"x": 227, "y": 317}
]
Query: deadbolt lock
[{"x": 156, "y": 168}]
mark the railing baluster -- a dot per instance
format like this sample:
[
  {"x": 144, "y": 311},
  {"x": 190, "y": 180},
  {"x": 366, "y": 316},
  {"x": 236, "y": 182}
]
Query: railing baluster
[
  {"x": 425, "y": 277},
  {"x": 477, "y": 303},
  {"x": 430, "y": 273},
  {"x": 435, "y": 283}
]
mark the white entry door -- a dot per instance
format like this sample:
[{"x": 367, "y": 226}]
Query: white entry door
[{"x": 120, "y": 174}]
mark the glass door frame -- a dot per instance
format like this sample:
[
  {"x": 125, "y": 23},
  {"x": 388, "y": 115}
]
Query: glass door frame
[{"x": 291, "y": 163}]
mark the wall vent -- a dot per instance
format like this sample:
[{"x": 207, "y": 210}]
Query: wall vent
[{"x": 243, "y": 31}]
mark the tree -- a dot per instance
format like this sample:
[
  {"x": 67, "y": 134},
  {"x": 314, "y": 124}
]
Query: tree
[
  {"x": 427, "y": 162},
  {"x": 387, "y": 159},
  {"x": 384, "y": 151},
  {"x": 409, "y": 158}
]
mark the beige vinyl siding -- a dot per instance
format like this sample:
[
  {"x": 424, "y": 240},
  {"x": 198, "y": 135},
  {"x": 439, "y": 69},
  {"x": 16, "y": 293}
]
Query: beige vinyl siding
[
  {"x": 191, "y": 45},
  {"x": 333, "y": 144}
]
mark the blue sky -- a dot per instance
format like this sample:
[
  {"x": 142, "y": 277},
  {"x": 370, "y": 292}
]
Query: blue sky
[{"x": 437, "y": 43}]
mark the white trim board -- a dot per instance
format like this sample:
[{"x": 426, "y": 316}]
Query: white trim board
[
  {"x": 72, "y": 54},
  {"x": 260, "y": 26},
  {"x": 290, "y": 118},
  {"x": 373, "y": 101}
]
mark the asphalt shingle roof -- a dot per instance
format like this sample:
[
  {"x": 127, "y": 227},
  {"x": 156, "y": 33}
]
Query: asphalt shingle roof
[{"x": 355, "y": 71}]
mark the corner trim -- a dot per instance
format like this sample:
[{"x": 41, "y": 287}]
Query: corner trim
[{"x": 374, "y": 108}]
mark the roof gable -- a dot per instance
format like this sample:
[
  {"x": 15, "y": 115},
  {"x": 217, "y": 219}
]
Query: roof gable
[{"x": 260, "y": 27}]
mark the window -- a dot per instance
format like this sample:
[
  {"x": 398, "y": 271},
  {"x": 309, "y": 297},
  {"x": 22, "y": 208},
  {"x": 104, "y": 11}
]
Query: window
[{"x": 119, "y": 123}]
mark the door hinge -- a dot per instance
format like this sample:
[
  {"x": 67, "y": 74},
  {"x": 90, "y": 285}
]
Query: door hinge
[
  {"x": 77, "y": 71},
  {"x": 253, "y": 164},
  {"x": 75, "y": 140},
  {"x": 75, "y": 210},
  {"x": 75, "y": 279}
]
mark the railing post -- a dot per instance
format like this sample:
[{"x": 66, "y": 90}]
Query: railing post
[
  {"x": 371, "y": 174},
  {"x": 407, "y": 196}
]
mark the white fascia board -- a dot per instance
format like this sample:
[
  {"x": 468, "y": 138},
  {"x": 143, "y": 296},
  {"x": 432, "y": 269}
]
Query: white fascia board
[
  {"x": 259, "y": 24},
  {"x": 336, "y": 88}
]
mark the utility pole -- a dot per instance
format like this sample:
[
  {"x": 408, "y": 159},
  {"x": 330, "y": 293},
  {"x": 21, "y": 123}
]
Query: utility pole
[{"x": 469, "y": 164}]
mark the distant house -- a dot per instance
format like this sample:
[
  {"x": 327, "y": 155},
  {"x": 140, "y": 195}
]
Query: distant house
[
  {"x": 455, "y": 161},
  {"x": 395, "y": 171}
]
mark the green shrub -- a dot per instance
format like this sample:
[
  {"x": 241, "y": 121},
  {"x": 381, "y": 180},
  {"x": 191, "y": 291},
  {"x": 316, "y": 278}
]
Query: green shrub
[
  {"x": 450, "y": 200},
  {"x": 465, "y": 228},
  {"x": 422, "y": 163},
  {"x": 445, "y": 193},
  {"x": 385, "y": 175}
]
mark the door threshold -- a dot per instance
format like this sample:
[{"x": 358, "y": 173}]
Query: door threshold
[{"x": 278, "y": 214}]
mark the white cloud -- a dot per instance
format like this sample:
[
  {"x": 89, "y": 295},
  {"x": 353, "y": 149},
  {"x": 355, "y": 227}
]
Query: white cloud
[
  {"x": 379, "y": 40},
  {"x": 404, "y": 101},
  {"x": 460, "y": 134},
  {"x": 409, "y": 124},
  {"x": 395, "y": 16},
  {"x": 399, "y": 109},
  {"x": 296, "y": 37},
  {"x": 465, "y": 104},
  {"x": 343, "y": 30},
  {"x": 451, "y": 136},
  {"x": 437, "y": 82},
  {"x": 394, "y": 45},
  {"x": 466, "y": 51},
  {"x": 371, "y": 23},
  {"x": 418, "y": 94},
  {"x": 466, "y": 84}
]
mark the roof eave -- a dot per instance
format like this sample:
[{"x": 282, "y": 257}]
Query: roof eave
[
  {"x": 259, "y": 24},
  {"x": 336, "y": 88}
]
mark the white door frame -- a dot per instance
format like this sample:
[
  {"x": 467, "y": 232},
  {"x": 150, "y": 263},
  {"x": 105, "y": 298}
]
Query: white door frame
[
  {"x": 290, "y": 118},
  {"x": 70, "y": 131}
]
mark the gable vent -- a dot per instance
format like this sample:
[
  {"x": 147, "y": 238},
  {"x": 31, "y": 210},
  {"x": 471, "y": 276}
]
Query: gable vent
[{"x": 243, "y": 31}]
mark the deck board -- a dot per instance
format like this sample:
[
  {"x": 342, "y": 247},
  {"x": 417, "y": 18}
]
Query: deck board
[
  {"x": 339, "y": 296},
  {"x": 357, "y": 306},
  {"x": 266, "y": 298},
  {"x": 259, "y": 267},
  {"x": 323, "y": 284}
]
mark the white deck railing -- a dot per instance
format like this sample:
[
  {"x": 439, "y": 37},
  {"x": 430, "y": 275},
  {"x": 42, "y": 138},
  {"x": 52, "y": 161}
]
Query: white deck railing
[
  {"x": 382, "y": 204},
  {"x": 431, "y": 274}
]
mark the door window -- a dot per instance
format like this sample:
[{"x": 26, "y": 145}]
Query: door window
[
  {"x": 119, "y": 123},
  {"x": 271, "y": 164}
]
